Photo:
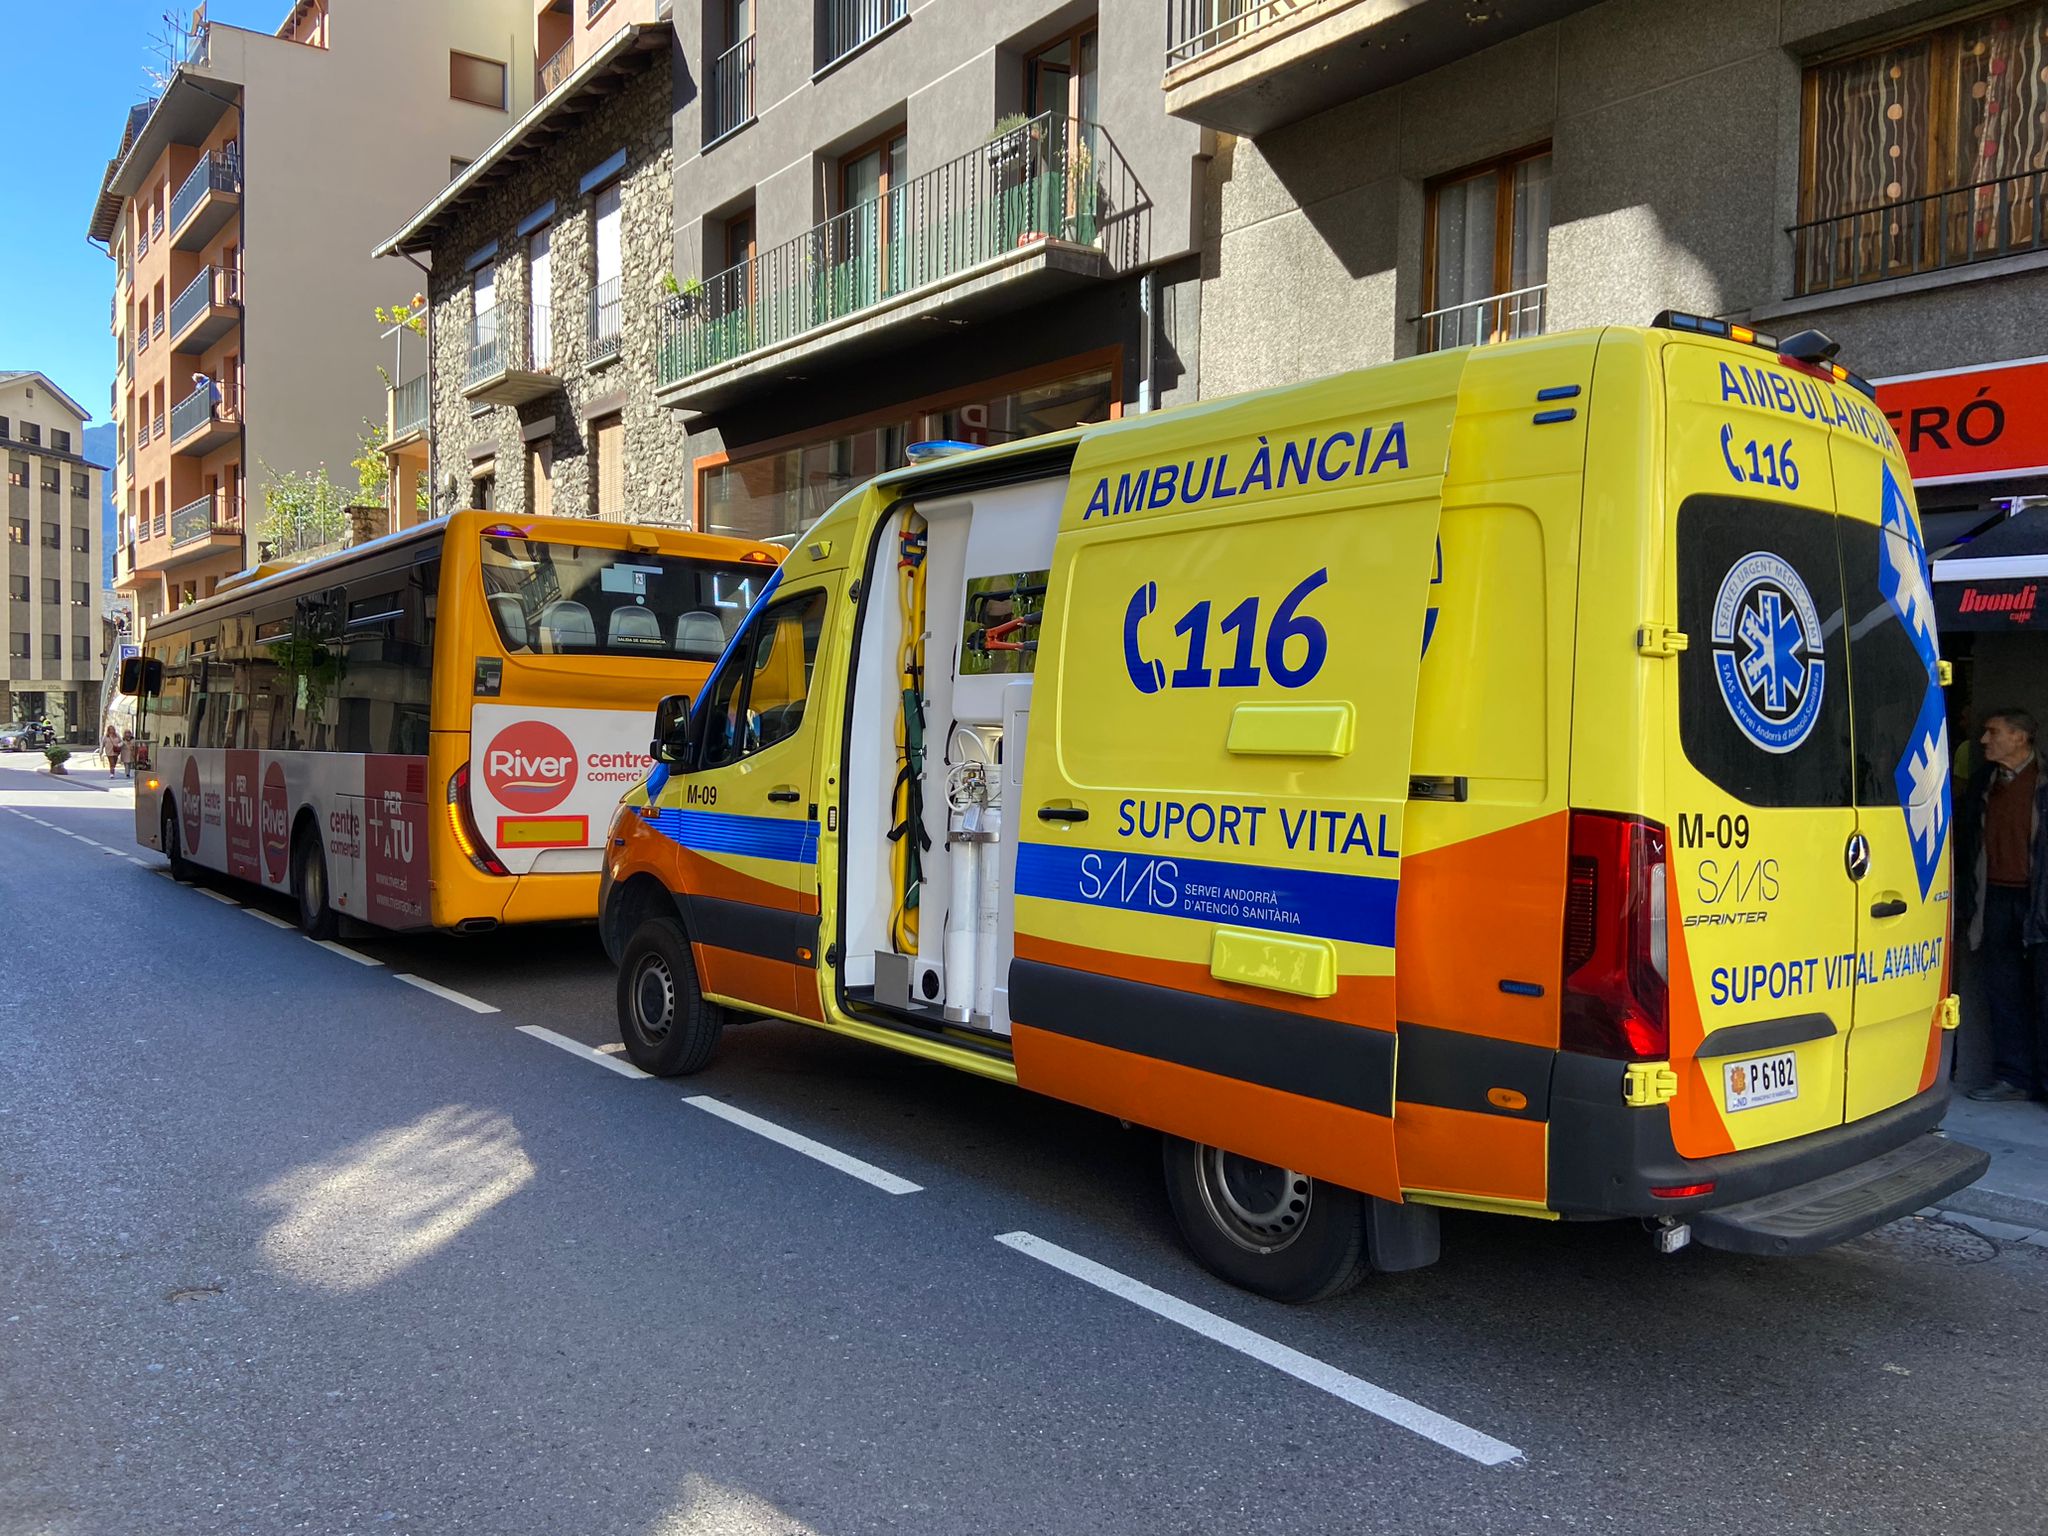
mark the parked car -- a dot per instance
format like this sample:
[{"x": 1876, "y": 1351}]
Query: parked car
[{"x": 26, "y": 736}]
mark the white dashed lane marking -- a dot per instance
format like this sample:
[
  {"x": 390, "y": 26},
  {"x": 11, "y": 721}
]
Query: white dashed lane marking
[
  {"x": 831, "y": 1157},
  {"x": 577, "y": 1048},
  {"x": 460, "y": 999},
  {"x": 344, "y": 951},
  {"x": 262, "y": 916},
  {"x": 1391, "y": 1406},
  {"x": 211, "y": 894}
]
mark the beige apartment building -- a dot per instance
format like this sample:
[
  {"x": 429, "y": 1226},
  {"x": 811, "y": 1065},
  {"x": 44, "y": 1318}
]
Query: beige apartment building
[
  {"x": 50, "y": 611},
  {"x": 243, "y": 312}
]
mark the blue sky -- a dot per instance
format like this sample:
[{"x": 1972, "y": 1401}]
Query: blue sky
[{"x": 69, "y": 72}]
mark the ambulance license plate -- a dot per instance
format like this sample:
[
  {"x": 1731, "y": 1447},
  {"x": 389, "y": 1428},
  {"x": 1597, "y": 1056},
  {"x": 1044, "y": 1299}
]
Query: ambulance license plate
[{"x": 1761, "y": 1080}]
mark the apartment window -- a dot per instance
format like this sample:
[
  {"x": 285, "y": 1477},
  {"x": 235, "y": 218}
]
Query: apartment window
[
  {"x": 81, "y": 542},
  {"x": 540, "y": 283},
  {"x": 610, "y": 458},
  {"x": 81, "y": 484},
  {"x": 17, "y": 647},
  {"x": 81, "y": 651},
  {"x": 868, "y": 237},
  {"x": 53, "y": 591},
  {"x": 1064, "y": 76},
  {"x": 483, "y": 491},
  {"x": 17, "y": 472},
  {"x": 1489, "y": 253},
  {"x": 60, "y": 441},
  {"x": 53, "y": 479},
  {"x": 472, "y": 79},
  {"x": 53, "y": 536},
  {"x": 81, "y": 594},
  {"x": 607, "y": 299},
  {"x": 53, "y": 648},
  {"x": 32, "y": 434},
  {"x": 3, "y": 426},
  {"x": 17, "y": 588},
  {"x": 17, "y": 533},
  {"x": 844, "y": 25},
  {"x": 1928, "y": 152}
]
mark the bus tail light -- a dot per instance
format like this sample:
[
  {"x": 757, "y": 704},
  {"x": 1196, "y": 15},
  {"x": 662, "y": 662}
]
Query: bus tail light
[
  {"x": 1616, "y": 939},
  {"x": 462, "y": 825}
]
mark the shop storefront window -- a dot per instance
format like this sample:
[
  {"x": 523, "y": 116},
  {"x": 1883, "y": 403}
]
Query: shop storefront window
[{"x": 777, "y": 493}]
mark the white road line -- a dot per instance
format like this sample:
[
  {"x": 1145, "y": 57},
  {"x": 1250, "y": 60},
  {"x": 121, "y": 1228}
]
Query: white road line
[
  {"x": 165, "y": 874},
  {"x": 577, "y": 1048},
  {"x": 867, "y": 1173},
  {"x": 1392, "y": 1407},
  {"x": 117, "y": 853},
  {"x": 209, "y": 892},
  {"x": 462, "y": 999},
  {"x": 262, "y": 916},
  {"x": 344, "y": 951},
  {"x": 139, "y": 863}
]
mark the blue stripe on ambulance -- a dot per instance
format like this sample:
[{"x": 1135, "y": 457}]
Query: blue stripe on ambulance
[
  {"x": 755, "y": 837},
  {"x": 1358, "y": 909}
]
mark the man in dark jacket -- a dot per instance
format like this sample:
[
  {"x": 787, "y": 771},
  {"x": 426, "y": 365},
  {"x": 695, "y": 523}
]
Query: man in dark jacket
[{"x": 2002, "y": 874}]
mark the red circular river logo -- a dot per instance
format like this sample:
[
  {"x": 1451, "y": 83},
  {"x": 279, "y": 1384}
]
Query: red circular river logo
[
  {"x": 276, "y": 824},
  {"x": 530, "y": 766},
  {"x": 188, "y": 804}
]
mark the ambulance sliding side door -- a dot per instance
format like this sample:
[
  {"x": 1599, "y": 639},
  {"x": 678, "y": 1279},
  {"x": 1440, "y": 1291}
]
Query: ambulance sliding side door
[{"x": 1211, "y": 821}]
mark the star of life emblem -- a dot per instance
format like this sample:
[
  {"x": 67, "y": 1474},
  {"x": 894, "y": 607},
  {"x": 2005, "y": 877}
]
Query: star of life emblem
[{"x": 1768, "y": 658}]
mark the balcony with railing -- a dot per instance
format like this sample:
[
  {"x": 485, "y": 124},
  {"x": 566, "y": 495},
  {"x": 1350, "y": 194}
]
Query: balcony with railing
[
  {"x": 607, "y": 321},
  {"x": 506, "y": 367},
  {"x": 206, "y": 419},
  {"x": 405, "y": 416},
  {"x": 846, "y": 25},
  {"x": 1250, "y": 66},
  {"x": 207, "y": 199},
  {"x": 1940, "y": 230},
  {"x": 556, "y": 69},
  {"x": 206, "y": 309},
  {"x": 1048, "y": 205},
  {"x": 1498, "y": 317},
  {"x": 729, "y": 91},
  {"x": 204, "y": 527}
]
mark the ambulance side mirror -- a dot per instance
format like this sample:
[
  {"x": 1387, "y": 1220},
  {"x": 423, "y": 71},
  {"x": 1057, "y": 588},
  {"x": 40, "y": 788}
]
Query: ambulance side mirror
[
  {"x": 142, "y": 675},
  {"x": 671, "y": 742}
]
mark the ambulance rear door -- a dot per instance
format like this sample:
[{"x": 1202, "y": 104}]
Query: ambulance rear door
[{"x": 1217, "y": 769}]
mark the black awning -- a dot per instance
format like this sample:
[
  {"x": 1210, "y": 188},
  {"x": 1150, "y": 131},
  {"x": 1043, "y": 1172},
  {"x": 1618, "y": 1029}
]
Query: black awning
[{"x": 1995, "y": 581}]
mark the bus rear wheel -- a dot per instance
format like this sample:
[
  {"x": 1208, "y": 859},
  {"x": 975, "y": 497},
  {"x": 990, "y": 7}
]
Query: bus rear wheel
[
  {"x": 665, "y": 1023},
  {"x": 317, "y": 919},
  {"x": 181, "y": 867},
  {"x": 1270, "y": 1230}
]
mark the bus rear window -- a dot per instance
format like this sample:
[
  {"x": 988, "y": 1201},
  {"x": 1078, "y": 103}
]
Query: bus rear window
[{"x": 555, "y": 599}]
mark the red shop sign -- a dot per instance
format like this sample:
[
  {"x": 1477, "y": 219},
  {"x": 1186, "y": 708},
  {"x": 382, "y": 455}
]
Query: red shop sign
[{"x": 1988, "y": 423}]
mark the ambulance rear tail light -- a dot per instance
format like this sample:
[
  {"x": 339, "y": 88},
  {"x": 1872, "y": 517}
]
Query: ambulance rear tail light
[
  {"x": 462, "y": 826},
  {"x": 1615, "y": 939}
]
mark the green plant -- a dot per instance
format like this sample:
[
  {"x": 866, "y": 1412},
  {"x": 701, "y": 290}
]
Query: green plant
[
  {"x": 690, "y": 287},
  {"x": 412, "y": 316},
  {"x": 58, "y": 755},
  {"x": 301, "y": 509},
  {"x": 373, "y": 472},
  {"x": 1006, "y": 125}
]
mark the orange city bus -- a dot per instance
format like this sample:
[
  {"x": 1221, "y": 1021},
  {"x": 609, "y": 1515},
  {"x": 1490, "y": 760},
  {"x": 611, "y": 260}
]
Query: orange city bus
[{"x": 429, "y": 730}]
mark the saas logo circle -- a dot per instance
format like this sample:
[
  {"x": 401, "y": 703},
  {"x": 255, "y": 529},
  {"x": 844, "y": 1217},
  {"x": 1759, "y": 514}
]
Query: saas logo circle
[
  {"x": 530, "y": 766},
  {"x": 1767, "y": 652},
  {"x": 275, "y": 812},
  {"x": 188, "y": 804}
]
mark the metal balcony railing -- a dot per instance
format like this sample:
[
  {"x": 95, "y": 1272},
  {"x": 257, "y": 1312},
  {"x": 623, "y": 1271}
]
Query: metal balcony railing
[
  {"x": 157, "y": 430},
  {"x": 142, "y": 337},
  {"x": 557, "y": 68},
  {"x": 1498, "y": 317},
  {"x": 199, "y": 408},
  {"x": 158, "y": 531},
  {"x": 607, "y": 320},
  {"x": 850, "y": 23},
  {"x": 497, "y": 347},
  {"x": 219, "y": 512},
  {"x": 1979, "y": 222},
  {"x": 156, "y": 325},
  {"x": 1054, "y": 178},
  {"x": 156, "y": 224},
  {"x": 219, "y": 171},
  {"x": 409, "y": 407},
  {"x": 1194, "y": 27},
  {"x": 212, "y": 286},
  {"x": 729, "y": 89}
]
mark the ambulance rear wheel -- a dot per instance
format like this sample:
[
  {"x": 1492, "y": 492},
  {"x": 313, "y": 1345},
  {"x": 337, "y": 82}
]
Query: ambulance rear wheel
[
  {"x": 1268, "y": 1229},
  {"x": 667, "y": 1027}
]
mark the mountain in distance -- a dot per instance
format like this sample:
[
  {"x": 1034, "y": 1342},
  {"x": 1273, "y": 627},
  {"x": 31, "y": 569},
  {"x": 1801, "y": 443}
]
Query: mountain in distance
[{"x": 99, "y": 447}]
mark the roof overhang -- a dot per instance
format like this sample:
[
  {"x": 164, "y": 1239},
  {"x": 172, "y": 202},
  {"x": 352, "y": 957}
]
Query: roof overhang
[
  {"x": 184, "y": 114},
  {"x": 596, "y": 77},
  {"x": 36, "y": 375}
]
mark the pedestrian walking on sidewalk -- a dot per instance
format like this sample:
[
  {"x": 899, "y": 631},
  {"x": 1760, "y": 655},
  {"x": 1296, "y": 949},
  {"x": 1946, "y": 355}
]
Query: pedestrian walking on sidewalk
[
  {"x": 128, "y": 753},
  {"x": 110, "y": 749},
  {"x": 2005, "y": 880}
]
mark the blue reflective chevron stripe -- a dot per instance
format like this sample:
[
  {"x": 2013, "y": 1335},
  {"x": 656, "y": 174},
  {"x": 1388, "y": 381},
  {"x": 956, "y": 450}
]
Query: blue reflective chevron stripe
[
  {"x": 1358, "y": 909},
  {"x": 757, "y": 837}
]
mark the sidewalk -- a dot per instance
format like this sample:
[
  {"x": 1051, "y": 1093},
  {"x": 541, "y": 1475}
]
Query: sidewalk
[
  {"x": 21, "y": 771},
  {"x": 2011, "y": 1200}
]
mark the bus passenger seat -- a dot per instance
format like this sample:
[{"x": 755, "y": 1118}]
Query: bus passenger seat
[
  {"x": 511, "y": 620},
  {"x": 700, "y": 635},
  {"x": 634, "y": 626},
  {"x": 564, "y": 624}
]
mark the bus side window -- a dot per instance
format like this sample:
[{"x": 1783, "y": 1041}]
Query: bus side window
[{"x": 386, "y": 681}]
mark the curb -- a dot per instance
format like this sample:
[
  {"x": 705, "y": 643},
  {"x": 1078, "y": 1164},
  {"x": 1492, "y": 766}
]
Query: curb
[{"x": 1986, "y": 1200}]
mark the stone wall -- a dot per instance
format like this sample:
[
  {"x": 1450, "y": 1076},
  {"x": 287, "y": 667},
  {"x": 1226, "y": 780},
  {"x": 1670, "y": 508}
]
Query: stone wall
[{"x": 635, "y": 118}]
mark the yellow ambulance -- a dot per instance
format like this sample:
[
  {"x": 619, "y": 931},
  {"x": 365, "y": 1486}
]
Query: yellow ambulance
[{"x": 1512, "y": 778}]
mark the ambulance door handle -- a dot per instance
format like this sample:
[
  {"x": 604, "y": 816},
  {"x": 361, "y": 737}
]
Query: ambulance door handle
[
  {"x": 1063, "y": 813},
  {"x": 1894, "y": 906},
  {"x": 785, "y": 793}
]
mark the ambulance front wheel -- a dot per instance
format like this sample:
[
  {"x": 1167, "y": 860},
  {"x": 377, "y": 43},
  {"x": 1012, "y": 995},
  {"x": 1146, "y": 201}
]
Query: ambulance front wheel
[
  {"x": 1270, "y": 1230},
  {"x": 667, "y": 1027}
]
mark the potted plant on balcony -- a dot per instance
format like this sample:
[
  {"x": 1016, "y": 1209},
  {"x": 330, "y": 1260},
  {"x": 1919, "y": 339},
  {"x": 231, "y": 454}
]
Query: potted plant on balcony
[{"x": 686, "y": 295}]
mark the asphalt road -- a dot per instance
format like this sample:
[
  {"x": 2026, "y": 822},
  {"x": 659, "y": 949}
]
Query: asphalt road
[{"x": 291, "y": 1244}]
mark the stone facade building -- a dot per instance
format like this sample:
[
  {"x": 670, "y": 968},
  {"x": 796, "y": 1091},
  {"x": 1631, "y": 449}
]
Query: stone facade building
[{"x": 549, "y": 259}]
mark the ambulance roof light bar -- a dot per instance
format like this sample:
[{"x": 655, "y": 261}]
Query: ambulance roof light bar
[{"x": 1812, "y": 350}]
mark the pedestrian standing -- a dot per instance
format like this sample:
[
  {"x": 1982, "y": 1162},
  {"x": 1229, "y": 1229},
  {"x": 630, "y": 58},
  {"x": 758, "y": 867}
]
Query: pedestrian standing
[{"x": 2007, "y": 883}]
